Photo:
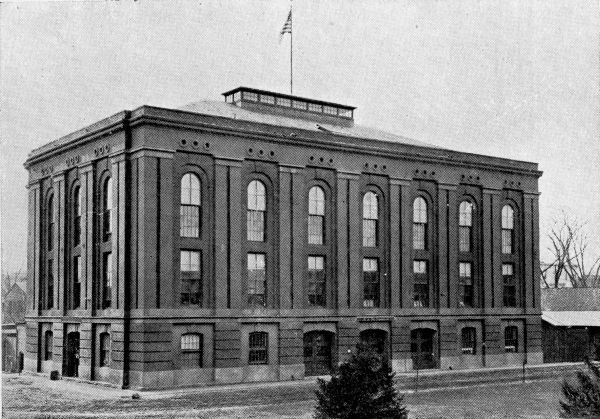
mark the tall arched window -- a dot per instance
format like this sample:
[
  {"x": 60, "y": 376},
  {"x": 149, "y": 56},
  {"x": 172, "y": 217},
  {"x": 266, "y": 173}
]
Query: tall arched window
[
  {"x": 370, "y": 219},
  {"x": 465, "y": 226},
  {"x": 316, "y": 215},
  {"x": 107, "y": 192},
  {"x": 76, "y": 215},
  {"x": 257, "y": 208},
  {"x": 50, "y": 222},
  {"x": 508, "y": 225},
  {"x": 191, "y": 199},
  {"x": 419, "y": 224}
]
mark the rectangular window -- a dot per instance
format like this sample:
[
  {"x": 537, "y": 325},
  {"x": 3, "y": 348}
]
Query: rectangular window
[
  {"x": 369, "y": 232},
  {"x": 191, "y": 350},
  {"x": 50, "y": 285},
  {"x": 107, "y": 280},
  {"x": 419, "y": 236},
  {"x": 507, "y": 241},
  {"x": 468, "y": 340},
  {"x": 250, "y": 96},
  {"x": 297, "y": 104},
  {"x": 267, "y": 99},
  {"x": 466, "y": 284},
  {"x": 370, "y": 282},
  {"x": 315, "y": 108},
  {"x": 257, "y": 279},
  {"x": 104, "y": 349},
  {"x": 281, "y": 101},
  {"x": 510, "y": 286},
  {"x": 316, "y": 281},
  {"x": 421, "y": 284},
  {"x": 191, "y": 277},
  {"x": 511, "y": 342},
  {"x": 190, "y": 220},
  {"x": 346, "y": 113},
  {"x": 258, "y": 345},
  {"x": 464, "y": 238},
  {"x": 315, "y": 229},
  {"x": 76, "y": 296},
  {"x": 330, "y": 110},
  {"x": 256, "y": 225}
]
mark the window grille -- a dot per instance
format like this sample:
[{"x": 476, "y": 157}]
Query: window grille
[
  {"x": 511, "y": 339},
  {"x": 191, "y": 350},
  {"x": 258, "y": 343},
  {"x": 469, "y": 341}
]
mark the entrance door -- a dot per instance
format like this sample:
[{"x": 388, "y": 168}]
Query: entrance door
[
  {"x": 317, "y": 353},
  {"x": 72, "y": 367},
  {"x": 423, "y": 349}
]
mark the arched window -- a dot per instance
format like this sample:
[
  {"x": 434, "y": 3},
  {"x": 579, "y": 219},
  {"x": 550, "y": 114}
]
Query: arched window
[
  {"x": 465, "y": 226},
  {"x": 104, "y": 349},
  {"x": 316, "y": 215},
  {"x": 48, "y": 344},
  {"x": 191, "y": 350},
  {"x": 76, "y": 215},
  {"x": 50, "y": 222},
  {"x": 258, "y": 345},
  {"x": 469, "y": 340},
  {"x": 419, "y": 224},
  {"x": 107, "y": 194},
  {"x": 511, "y": 339},
  {"x": 370, "y": 218},
  {"x": 257, "y": 208},
  {"x": 191, "y": 199},
  {"x": 508, "y": 225}
]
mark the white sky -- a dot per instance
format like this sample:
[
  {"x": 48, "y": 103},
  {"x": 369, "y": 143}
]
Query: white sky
[{"x": 517, "y": 79}]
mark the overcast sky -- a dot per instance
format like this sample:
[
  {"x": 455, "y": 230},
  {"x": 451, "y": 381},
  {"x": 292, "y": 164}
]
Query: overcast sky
[{"x": 513, "y": 79}]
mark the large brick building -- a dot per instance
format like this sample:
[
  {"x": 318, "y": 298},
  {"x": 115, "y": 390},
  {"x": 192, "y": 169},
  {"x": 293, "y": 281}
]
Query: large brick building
[{"x": 260, "y": 238}]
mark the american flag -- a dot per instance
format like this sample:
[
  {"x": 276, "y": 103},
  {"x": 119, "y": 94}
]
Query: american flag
[{"x": 287, "y": 26}]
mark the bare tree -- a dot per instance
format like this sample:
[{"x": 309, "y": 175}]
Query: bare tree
[{"x": 570, "y": 256}]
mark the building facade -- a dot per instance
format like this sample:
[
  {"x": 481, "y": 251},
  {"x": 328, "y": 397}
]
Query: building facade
[{"x": 262, "y": 237}]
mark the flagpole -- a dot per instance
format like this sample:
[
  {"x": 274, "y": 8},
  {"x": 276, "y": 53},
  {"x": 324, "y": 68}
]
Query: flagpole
[{"x": 291, "y": 51}]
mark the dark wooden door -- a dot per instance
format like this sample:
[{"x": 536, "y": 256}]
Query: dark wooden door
[
  {"x": 72, "y": 367},
  {"x": 317, "y": 353},
  {"x": 423, "y": 349}
]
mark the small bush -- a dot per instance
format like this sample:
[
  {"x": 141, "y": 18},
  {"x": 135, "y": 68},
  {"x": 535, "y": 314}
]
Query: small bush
[
  {"x": 362, "y": 387},
  {"x": 583, "y": 398}
]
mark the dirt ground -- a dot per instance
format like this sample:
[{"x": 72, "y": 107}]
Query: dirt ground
[{"x": 37, "y": 397}]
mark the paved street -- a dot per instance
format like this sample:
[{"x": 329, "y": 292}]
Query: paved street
[{"x": 37, "y": 397}]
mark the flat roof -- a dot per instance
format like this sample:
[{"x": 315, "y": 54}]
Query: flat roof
[{"x": 572, "y": 318}]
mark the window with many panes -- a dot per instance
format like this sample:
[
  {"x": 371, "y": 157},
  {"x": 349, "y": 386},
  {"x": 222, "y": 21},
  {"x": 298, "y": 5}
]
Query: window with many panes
[
  {"x": 191, "y": 277},
  {"x": 191, "y": 350},
  {"x": 107, "y": 194},
  {"x": 316, "y": 215},
  {"x": 466, "y": 284},
  {"x": 107, "y": 280},
  {"x": 104, "y": 349},
  {"x": 256, "y": 213},
  {"x": 421, "y": 284},
  {"x": 510, "y": 286},
  {"x": 257, "y": 279},
  {"x": 469, "y": 340},
  {"x": 370, "y": 219},
  {"x": 419, "y": 224},
  {"x": 370, "y": 282},
  {"x": 316, "y": 281},
  {"x": 50, "y": 284},
  {"x": 258, "y": 348},
  {"x": 465, "y": 226},
  {"x": 76, "y": 293},
  {"x": 508, "y": 225},
  {"x": 511, "y": 339},
  {"x": 189, "y": 210},
  {"x": 48, "y": 344},
  {"x": 76, "y": 216}
]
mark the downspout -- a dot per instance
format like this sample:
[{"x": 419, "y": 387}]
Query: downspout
[{"x": 127, "y": 254}]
